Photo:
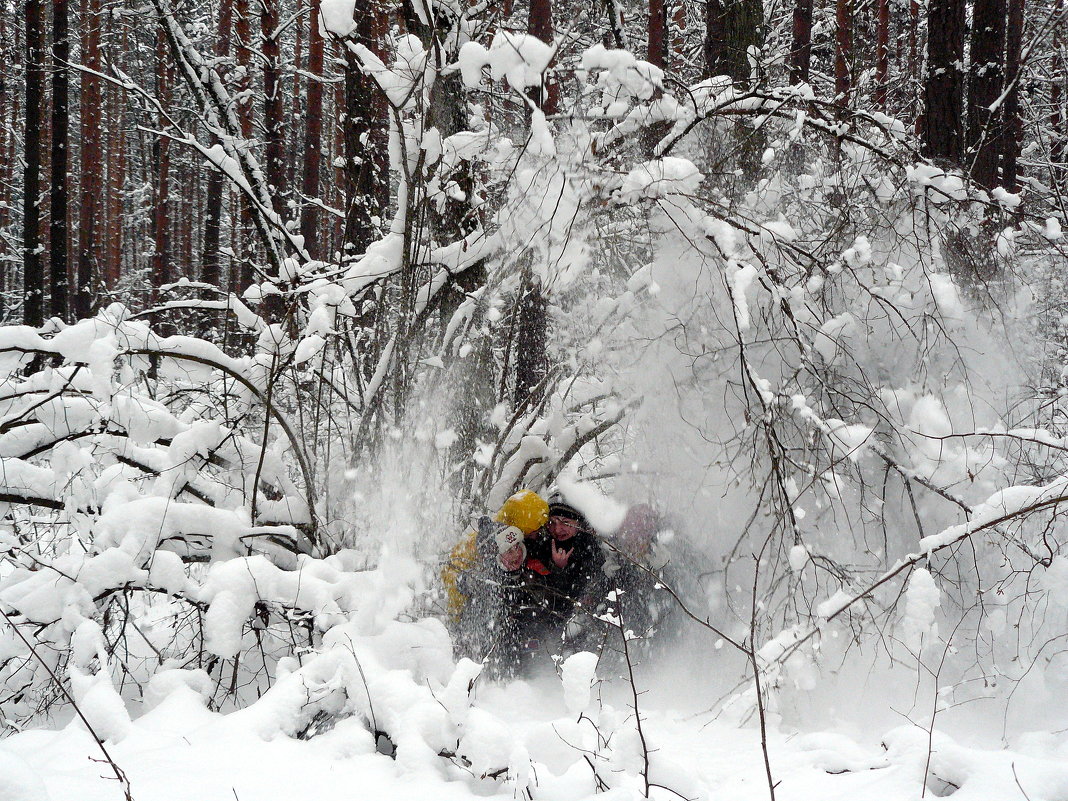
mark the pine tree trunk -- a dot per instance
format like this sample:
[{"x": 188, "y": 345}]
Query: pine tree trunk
[
  {"x": 337, "y": 181},
  {"x": 985, "y": 85},
  {"x": 540, "y": 24},
  {"x": 313, "y": 134},
  {"x": 297, "y": 107},
  {"x": 366, "y": 136},
  {"x": 7, "y": 122},
  {"x": 882, "y": 53},
  {"x": 273, "y": 105},
  {"x": 161, "y": 152},
  {"x": 843, "y": 51},
  {"x": 657, "y": 52},
  {"x": 801, "y": 47},
  {"x": 242, "y": 277},
  {"x": 915, "y": 106},
  {"x": 32, "y": 267},
  {"x": 211, "y": 257},
  {"x": 678, "y": 32},
  {"x": 1013, "y": 131},
  {"x": 731, "y": 28},
  {"x": 90, "y": 206},
  {"x": 60, "y": 122},
  {"x": 532, "y": 316},
  {"x": 944, "y": 82},
  {"x": 1056, "y": 98},
  {"x": 116, "y": 183}
]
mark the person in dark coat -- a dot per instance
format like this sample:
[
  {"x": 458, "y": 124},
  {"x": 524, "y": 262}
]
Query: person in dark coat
[
  {"x": 507, "y": 618},
  {"x": 576, "y": 580}
]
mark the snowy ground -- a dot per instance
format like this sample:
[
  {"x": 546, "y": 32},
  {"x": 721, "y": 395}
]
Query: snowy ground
[{"x": 179, "y": 750}]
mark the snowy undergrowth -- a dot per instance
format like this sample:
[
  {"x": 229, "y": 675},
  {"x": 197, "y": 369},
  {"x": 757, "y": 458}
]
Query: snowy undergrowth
[{"x": 547, "y": 737}]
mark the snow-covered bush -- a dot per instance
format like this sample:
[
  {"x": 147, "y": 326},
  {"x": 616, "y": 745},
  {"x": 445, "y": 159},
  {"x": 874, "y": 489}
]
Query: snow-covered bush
[{"x": 798, "y": 360}]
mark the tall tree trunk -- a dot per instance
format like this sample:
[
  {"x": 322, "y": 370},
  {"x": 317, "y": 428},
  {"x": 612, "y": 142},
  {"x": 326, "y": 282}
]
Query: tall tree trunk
[
  {"x": 338, "y": 169},
  {"x": 241, "y": 277},
  {"x": 32, "y": 267},
  {"x": 273, "y": 105},
  {"x": 296, "y": 107},
  {"x": 678, "y": 33},
  {"x": 944, "y": 82},
  {"x": 843, "y": 51},
  {"x": 532, "y": 307},
  {"x": 366, "y": 136},
  {"x": 985, "y": 85},
  {"x": 90, "y": 205},
  {"x": 882, "y": 53},
  {"x": 657, "y": 52},
  {"x": 211, "y": 257},
  {"x": 7, "y": 123},
  {"x": 801, "y": 46},
  {"x": 1013, "y": 130},
  {"x": 731, "y": 28},
  {"x": 161, "y": 220},
  {"x": 313, "y": 134},
  {"x": 1056, "y": 97},
  {"x": 915, "y": 106},
  {"x": 60, "y": 123},
  {"x": 116, "y": 183},
  {"x": 540, "y": 25}
]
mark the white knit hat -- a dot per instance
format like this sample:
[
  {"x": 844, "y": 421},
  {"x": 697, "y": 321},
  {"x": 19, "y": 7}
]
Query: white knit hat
[{"x": 508, "y": 538}]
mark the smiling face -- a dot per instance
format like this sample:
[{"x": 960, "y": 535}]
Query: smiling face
[
  {"x": 514, "y": 557},
  {"x": 562, "y": 529}
]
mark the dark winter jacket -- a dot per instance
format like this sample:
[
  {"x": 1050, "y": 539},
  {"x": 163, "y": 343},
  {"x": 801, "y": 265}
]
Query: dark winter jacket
[{"x": 582, "y": 579}]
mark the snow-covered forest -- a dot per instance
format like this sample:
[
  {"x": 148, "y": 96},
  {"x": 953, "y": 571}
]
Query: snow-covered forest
[{"x": 767, "y": 301}]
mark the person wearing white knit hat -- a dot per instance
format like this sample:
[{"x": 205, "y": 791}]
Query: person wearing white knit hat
[{"x": 512, "y": 550}]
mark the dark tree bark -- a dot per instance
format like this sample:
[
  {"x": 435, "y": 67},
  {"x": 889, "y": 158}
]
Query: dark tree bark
[
  {"x": 1013, "y": 128},
  {"x": 161, "y": 218},
  {"x": 658, "y": 51},
  {"x": 801, "y": 47},
  {"x": 91, "y": 191},
  {"x": 540, "y": 24},
  {"x": 914, "y": 104},
  {"x": 944, "y": 82},
  {"x": 882, "y": 52},
  {"x": 731, "y": 28},
  {"x": 241, "y": 277},
  {"x": 531, "y": 321},
  {"x": 273, "y": 105},
  {"x": 213, "y": 212},
  {"x": 60, "y": 122},
  {"x": 985, "y": 84},
  {"x": 32, "y": 266},
  {"x": 313, "y": 134},
  {"x": 295, "y": 113},
  {"x": 116, "y": 184},
  {"x": 366, "y": 136},
  {"x": 336, "y": 183},
  {"x": 532, "y": 326},
  {"x": 678, "y": 33},
  {"x": 843, "y": 51},
  {"x": 1056, "y": 97},
  {"x": 7, "y": 161}
]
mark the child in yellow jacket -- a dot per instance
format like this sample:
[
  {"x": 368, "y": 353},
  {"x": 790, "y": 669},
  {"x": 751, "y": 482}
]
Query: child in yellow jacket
[{"x": 526, "y": 510}]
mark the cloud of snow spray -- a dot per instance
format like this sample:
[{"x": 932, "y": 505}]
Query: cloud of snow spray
[
  {"x": 692, "y": 450},
  {"x": 402, "y": 516}
]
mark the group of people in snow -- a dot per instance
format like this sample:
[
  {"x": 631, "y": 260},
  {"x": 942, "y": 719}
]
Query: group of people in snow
[{"x": 537, "y": 578}]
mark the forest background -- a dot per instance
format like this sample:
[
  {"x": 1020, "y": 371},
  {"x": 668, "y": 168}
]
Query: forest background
[{"x": 292, "y": 288}]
